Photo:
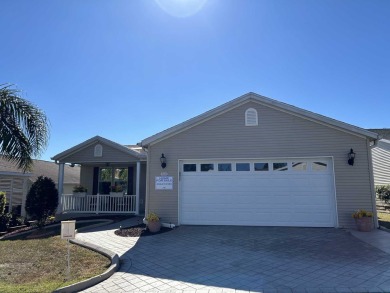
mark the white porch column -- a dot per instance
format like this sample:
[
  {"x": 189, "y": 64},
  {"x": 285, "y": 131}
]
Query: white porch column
[
  {"x": 137, "y": 187},
  {"x": 60, "y": 185},
  {"x": 24, "y": 197}
]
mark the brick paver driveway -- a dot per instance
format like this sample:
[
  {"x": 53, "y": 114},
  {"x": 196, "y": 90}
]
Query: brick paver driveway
[{"x": 259, "y": 259}]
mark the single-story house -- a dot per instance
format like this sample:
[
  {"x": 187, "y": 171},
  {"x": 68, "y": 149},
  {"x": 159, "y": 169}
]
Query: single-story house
[
  {"x": 251, "y": 161},
  {"x": 381, "y": 157},
  {"x": 16, "y": 183}
]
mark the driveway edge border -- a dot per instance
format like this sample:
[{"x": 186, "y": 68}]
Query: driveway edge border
[{"x": 115, "y": 264}]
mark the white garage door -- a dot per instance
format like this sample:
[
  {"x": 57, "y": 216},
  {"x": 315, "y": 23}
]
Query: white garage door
[{"x": 277, "y": 192}]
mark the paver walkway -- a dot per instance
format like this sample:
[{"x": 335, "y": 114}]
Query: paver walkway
[{"x": 242, "y": 259}]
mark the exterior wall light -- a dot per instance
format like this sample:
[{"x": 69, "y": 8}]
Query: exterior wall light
[
  {"x": 351, "y": 157},
  {"x": 163, "y": 161}
]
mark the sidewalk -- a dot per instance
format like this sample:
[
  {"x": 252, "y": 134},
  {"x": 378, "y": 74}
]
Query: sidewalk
[
  {"x": 105, "y": 237},
  {"x": 377, "y": 238}
]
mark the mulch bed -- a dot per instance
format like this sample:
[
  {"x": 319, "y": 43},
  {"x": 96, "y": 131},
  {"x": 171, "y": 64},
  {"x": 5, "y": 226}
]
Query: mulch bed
[{"x": 139, "y": 231}]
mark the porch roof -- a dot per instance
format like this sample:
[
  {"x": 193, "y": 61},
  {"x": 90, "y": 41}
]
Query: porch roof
[{"x": 129, "y": 153}]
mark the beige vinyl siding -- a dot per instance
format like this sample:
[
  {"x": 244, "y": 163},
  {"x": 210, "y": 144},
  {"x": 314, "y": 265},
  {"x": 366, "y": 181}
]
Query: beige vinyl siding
[
  {"x": 279, "y": 134},
  {"x": 110, "y": 154},
  {"x": 381, "y": 163},
  {"x": 16, "y": 188}
]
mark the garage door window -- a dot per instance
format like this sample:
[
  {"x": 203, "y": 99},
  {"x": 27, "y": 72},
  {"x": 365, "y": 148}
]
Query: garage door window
[
  {"x": 299, "y": 166},
  {"x": 206, "y": 167},
  {"x": 280, "y": 166},
  {"x": 261, "y": 166},
  {"x": 242, "y": 167},
  {"x": 319, "y": 166},
  {"x": 189, "y": 167},
  {"x": 225, "y": 167}
]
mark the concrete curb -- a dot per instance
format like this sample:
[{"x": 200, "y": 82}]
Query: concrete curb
[{"x": 115, "y": 264}]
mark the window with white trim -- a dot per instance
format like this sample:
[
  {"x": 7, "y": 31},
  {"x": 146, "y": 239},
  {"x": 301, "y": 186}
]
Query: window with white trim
[
  {"x": 261, "y": 166},
  {"x": 189, "y": 167},
  {"x": 251, "y": 118},
  {"x": 280, "y": 166},
  {"x": 243, "y": 167},
  {"x": 299, "y": 166},
  {"x": 224, "y": 167},
  {"x": 319, "y": 166},
  {"x": 206, "y": 167}
]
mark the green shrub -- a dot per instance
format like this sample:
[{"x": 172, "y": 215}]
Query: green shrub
[
  {"x": 4, "y": 222},
  {"x": 383, "y": 192},
  {"x": 3, "y": 201},
  {"x": 42, "y": 200},
  {"x": 16, "y": 220}
]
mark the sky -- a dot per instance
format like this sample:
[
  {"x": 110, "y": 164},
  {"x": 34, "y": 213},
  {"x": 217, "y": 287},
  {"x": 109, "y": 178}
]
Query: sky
[{"x": 126, "y": 70}]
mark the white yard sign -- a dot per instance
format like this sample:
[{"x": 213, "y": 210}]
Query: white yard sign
[
  {"x": 164, "y": 183},
  {"x": 68, "y": 229}
]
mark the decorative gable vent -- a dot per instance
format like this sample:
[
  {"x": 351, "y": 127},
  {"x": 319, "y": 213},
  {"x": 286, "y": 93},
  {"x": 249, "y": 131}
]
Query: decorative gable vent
[
  {"x": 98, "y": 151},
  {"x": 251, "y": 117}
]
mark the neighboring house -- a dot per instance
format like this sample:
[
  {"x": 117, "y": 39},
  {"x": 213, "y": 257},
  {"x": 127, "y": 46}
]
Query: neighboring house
[
  {"x": 381, "y": 157},
  {"x": 16, "y": 184},
  {"x": 252, "y": 161}
]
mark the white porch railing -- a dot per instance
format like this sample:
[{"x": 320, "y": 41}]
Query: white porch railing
[{"x": 99, "y": 204}]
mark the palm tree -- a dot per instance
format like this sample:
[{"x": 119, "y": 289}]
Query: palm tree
[{"x": 24, "y": 129}]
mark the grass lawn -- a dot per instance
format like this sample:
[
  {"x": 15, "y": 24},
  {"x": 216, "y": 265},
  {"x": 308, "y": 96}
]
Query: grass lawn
[
  {"x": 39, "y": 265},
  {"x": 384, "y": 220}
]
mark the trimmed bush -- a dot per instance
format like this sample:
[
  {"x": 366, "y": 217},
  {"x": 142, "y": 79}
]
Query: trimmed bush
[
  {"x": 4, "y": 222},
  {"x": 383, "y": 192},
  {"x": 42, "y": 200}
]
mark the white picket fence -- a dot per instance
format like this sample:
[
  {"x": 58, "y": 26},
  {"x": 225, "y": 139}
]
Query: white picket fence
[{"x": 99, "y": 204}]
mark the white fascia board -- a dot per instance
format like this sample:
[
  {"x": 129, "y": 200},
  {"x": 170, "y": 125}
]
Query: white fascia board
[
  {"x": 266, "y": 102},
  {"x": 96, "y": 139}
]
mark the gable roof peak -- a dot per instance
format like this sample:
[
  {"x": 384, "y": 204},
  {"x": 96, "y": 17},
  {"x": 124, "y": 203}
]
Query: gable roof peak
[
  {"x": 93, "y": 140},
  {"x": 251, "y": 96}
]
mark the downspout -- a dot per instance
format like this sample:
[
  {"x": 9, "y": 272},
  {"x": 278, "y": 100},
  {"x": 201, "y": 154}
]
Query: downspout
[
  {"x": 371, "y": 172},
  {"x": 147, "y": 178}
]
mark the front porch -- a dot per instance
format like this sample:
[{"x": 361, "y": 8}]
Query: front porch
[
  {"x": 99, "y": 204},
  {"x": 114, "y": 176}
]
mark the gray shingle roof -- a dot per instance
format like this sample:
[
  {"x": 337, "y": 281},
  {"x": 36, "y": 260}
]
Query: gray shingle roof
[
  {"x": 44, "y": 168},
  {"x": 384, "y": 132}
]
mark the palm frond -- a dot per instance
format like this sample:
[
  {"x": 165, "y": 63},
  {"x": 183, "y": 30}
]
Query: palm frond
[{"x": 24, "y": 128}]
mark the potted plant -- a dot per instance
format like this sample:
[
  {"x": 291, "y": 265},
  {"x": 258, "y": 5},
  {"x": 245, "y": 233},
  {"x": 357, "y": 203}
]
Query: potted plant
[
  {"x": 363, "y": 220},
  {"x": 116, "y": 190},
  {"x": 153, "y": 224},
  {"x": 79, "y": 190}
]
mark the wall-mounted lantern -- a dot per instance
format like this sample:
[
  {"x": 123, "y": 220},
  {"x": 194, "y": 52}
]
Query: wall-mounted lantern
[
  {"x": 163, "y": 161},
  {"x": 351, "y": 157}
]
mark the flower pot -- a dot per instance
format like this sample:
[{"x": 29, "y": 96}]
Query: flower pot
[
  {"x": 364, "y": 224},
  {"x": 154, "y": 226}
]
